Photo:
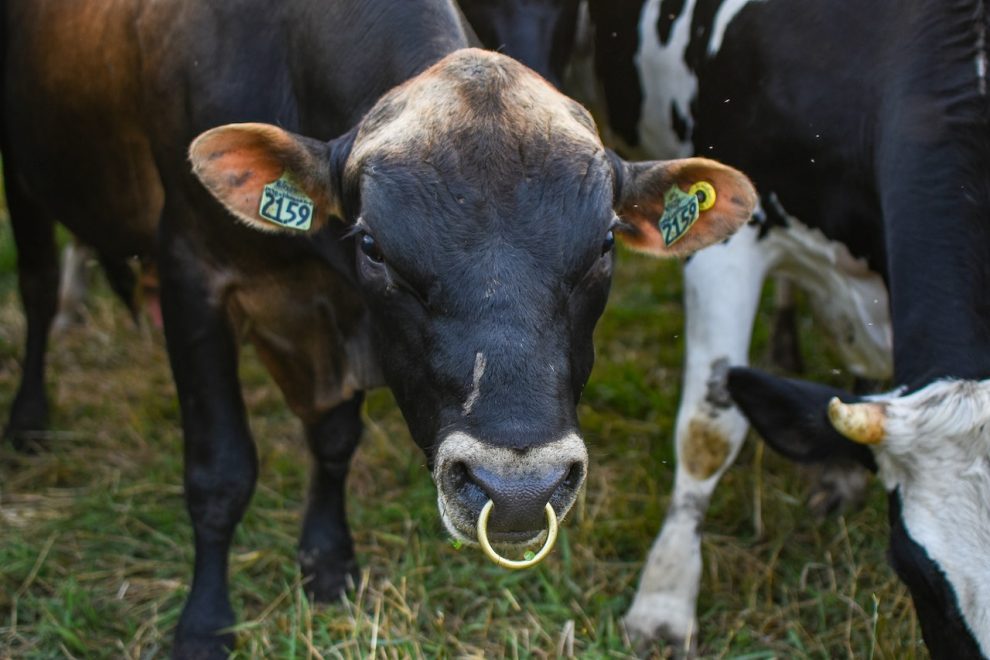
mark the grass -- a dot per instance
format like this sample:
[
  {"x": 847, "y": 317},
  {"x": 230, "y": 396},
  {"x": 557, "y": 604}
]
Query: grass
[{"x": 95, "y": 544}]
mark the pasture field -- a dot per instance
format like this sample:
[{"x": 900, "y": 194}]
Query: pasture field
[{"x": 96, "y": 553}]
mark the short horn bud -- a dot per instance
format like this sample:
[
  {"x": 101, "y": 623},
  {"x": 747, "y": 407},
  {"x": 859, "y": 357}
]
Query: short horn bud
[{"x": 860, "y": 422}]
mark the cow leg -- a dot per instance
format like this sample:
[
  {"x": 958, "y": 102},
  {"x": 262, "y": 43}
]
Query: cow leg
[
  {"x": 37, "y": 269},
  {"x": 721, "y": 289},
  {"x": 221, "y": 464},
  {"x": 326, "y": 551},
  {"x": 785, "y": 349},
  {"x": 73, "y": 286}
]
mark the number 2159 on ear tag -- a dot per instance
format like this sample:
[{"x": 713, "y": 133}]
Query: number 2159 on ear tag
[
  {"x": 681, "y": 210},
  {"x": 285, "y": 204}
]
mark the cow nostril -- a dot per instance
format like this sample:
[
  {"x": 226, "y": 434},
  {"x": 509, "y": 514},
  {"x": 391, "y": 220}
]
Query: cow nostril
[
  {"x": 467, "y": 490},
  {"x": 574, "y": 477},
  {"x": 459, "y": 475}
]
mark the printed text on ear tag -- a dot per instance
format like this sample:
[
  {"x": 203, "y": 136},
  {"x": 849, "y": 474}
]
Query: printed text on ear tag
[
  {"x": 680, "y": 211},
  {"x": 285, "y": 204}
]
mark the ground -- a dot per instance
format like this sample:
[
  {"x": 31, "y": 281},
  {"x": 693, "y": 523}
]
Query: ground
[{"x": 95, "y": 551}]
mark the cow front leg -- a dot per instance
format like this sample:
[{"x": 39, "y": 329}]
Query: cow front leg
[
  {"x": 721, "y": 290},
  {"x": 221, "y": 464},
  {"x": 326, "y": 550},
  {"x": 37, "y": 270}
]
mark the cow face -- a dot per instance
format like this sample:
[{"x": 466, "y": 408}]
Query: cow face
[
  {"x": 483, "y": 209},
  {"x": 931, "y": 448}
]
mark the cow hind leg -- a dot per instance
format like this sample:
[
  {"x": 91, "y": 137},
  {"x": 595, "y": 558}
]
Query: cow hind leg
[
  {"x": 73, "y": 287},
  {"x": 37, "y": 268},
  {"x": 326, "y": 550},
  {"x": 785, "y": 348},
  {"x": 721, "y": 287},
  {"x": 221, "y": 463}
]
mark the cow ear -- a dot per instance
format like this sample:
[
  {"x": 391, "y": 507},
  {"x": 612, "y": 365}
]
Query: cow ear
[
  {"x": 269, "y": 178},
  {"x": 792, "y": 416},
  {"x": 674, "y": 208}
]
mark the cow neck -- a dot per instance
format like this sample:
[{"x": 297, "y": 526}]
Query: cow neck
[{"x": 933, "y": 165}]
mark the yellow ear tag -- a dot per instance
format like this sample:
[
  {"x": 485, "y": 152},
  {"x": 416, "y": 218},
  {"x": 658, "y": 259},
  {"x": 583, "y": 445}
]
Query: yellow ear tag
[
  {"x": 705, "y": 192},
  {"x": 285, "y": 204}
]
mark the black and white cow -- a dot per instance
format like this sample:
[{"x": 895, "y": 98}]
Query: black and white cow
[
  {"x": 412, "y": 213},
  {"x": 865, "y": 127}
]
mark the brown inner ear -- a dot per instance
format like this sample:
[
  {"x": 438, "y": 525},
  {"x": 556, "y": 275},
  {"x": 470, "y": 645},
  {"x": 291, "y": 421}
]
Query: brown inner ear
[
  {"x": 236, "y": 163},
  {"x": 642, "y": 205}
]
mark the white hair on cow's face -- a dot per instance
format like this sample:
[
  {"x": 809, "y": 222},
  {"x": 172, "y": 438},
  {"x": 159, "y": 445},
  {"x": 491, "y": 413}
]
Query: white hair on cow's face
[{"x": 936, "y": 453}]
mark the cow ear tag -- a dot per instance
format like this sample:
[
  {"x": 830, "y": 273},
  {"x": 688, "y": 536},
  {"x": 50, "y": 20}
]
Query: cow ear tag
[
  {"x": 682, "y": 209},
  {"x": 286, "y": 204}
]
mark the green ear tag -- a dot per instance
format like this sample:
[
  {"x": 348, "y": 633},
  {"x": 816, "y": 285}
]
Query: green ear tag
[
  {"x": 680, "y": 211},
  {"x": 285, "y": 204}
]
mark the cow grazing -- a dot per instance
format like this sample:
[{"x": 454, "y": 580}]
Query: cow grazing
[
  {"x": 868, "y": 139},
  {"x": 425, "y": 216}
]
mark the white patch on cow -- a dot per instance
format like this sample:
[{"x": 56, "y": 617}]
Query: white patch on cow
[
  {"x": 667, "y": 82},
  {"x": 848, "y": 299},
  {"x": 479, "y": 370},
  {"x": 936, "y": 450},
  {"x": 459, "y": 447},
  {"x": 726, "y": 12}
]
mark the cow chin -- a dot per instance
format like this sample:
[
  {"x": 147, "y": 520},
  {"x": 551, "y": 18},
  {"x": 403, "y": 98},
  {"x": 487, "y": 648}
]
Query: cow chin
[{"x": 521, "y": 482}]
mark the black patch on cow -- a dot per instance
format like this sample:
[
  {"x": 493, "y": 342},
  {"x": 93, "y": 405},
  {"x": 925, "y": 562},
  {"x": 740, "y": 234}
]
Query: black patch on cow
[
  {"x": 616, "y": 43},
  {"x": 792, "y": 416},
  {"x": 679, "y": 123},
  {"x": 716, "y": 392},
  {"x": 670, "y": 11},
  {"x": 942, "y": 625},
  {"x": 702, "y": 21}
]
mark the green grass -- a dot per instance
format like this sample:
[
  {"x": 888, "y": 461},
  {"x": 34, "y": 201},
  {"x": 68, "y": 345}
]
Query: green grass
[{"x": 95, "y": 550}]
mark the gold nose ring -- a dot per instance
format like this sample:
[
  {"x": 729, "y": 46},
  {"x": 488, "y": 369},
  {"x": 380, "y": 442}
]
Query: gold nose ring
[{"x": 513, "y": 564}]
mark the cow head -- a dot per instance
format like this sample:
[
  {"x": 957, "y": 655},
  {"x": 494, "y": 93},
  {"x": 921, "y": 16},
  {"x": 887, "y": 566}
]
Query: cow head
[
  {"x": 483, "y": 209},
  {"x": 931, "y": 448}
]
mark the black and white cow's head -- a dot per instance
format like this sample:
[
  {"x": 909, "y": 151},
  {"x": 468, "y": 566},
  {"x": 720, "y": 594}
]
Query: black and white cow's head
[
  {"x": 483, "y": 208},
  {"x": 931, "y": 448}
]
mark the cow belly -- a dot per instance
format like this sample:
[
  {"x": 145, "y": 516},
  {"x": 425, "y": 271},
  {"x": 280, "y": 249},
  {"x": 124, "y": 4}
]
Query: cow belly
[
  {"x": 847, "y": 298},
  {"x": 311, "y": 331}
]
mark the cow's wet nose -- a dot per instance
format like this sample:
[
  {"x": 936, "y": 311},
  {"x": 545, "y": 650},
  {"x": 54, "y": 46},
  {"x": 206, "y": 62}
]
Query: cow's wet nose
[{"x": 520, "y": 500}]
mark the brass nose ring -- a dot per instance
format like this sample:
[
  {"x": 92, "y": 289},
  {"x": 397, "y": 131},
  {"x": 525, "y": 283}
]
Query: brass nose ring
[{"x": 513, "y": 564}]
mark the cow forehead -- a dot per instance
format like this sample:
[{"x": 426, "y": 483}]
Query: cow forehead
[
  {"x": 473, "y": 93},
  {"x": 935, "y": 434}
]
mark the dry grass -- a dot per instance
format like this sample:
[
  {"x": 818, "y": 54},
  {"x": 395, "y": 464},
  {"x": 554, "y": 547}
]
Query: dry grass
[{"x": 95, "y": 552}]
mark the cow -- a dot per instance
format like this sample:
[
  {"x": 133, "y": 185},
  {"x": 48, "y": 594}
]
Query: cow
[
  {"x": 426, "y": 216},
  {"x": 866, "y": 131},
  {"x": 538, "y": 33}
]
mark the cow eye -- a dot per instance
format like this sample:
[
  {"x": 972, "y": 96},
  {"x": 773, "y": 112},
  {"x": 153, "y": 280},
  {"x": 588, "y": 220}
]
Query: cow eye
[
  {"x": 609, "y": 242},
  {"x": 370, "y": 248}
]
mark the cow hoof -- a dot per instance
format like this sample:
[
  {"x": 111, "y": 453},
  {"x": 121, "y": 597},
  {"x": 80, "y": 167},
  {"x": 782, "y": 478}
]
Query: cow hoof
[
  {"x": 27, "y": 428},
  {"x": 213, "y": 647},
  {"x": 328, "y": 582},
  {"x": 839, "y": 487},
  {"x": 660, "y": 618}
]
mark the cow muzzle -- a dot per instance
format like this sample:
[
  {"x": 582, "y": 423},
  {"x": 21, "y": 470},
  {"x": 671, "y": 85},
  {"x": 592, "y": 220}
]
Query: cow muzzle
[{"x": 519, "y": 483}]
